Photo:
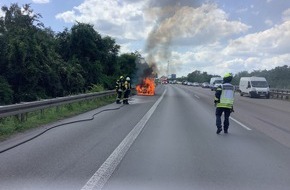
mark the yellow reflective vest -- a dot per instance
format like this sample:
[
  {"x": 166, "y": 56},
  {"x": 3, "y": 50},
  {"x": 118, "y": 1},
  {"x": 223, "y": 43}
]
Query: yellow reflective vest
[
  {"x": 127, "y": 85},
  {"x": 227, "y": 96}
]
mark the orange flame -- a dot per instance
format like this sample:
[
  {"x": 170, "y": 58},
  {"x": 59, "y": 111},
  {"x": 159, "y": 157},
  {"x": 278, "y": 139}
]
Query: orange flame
[{"x": 146, "y": 88}]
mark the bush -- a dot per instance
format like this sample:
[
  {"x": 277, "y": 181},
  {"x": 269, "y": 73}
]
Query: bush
[
  {"x": 96, "y": 88},
  {"x": 6, "y": 93}
]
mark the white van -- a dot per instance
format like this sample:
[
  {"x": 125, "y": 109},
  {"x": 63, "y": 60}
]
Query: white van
[
  {"x": 215, "y": 82},
  {"x": 254, "y": 87}
]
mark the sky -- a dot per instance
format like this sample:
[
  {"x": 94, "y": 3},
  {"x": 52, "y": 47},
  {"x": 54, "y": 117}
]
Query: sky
[{"x": 213, "y": 36}]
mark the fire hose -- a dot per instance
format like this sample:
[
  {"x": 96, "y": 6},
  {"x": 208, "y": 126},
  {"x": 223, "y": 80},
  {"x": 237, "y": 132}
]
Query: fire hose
[{"x": 53, "y": 127}]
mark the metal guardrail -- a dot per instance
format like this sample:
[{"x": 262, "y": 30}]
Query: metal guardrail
[
  {"x": 22, "y": 108},
  {"x": 280, "y": 93},
  {"x": 275, "y": 93}
]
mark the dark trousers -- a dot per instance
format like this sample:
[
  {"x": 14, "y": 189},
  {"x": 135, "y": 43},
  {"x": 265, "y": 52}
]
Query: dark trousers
[
  {"x": 119, "y": 96},
  {"x": 218, "y": 113},
  {"x": 126, "y": 95}
]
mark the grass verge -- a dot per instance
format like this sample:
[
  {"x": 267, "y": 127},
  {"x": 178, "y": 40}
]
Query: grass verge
[{"x": 12, "y": 125}]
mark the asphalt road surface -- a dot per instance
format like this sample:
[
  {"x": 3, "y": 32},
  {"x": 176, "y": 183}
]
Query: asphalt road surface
[{"x": 166, "y": 141}]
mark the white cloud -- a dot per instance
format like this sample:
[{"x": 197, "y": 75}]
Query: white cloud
[
  {"x": 125, "y": 48},
  {"x": 110, "y": 17},
  {"x": 40, "y": 1},
  {"x": 214, "y": 61},
  {"x": 286, "y": 15},
  {"x": 258, "y": 51},
  {"x": 272, "y": 41},
  {"x": 202, "y": 25},
  {"x": 256, "y": 63},
  {"x": 132, "y": 21},
  {"x": 202, "y": 58}
]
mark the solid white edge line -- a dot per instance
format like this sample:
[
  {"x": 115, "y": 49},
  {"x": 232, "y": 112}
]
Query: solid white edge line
[
  {"x": 241, "y": 124},
  {"x": 102, "y": 175}
]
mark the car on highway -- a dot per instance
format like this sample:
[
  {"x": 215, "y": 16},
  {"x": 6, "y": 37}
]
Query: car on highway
[
  {"x": 189, "y": 84},
  {"x": 184, "y": 82},
  {"x": 205, "y": 85},
  {"x": 215, "y": 82},
  {"x": 254, "y": 87}
]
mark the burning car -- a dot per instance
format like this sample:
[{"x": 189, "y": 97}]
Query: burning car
[{"x": 146, "y": 88}]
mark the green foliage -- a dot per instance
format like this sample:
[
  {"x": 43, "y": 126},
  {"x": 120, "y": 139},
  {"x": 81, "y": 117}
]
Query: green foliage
[
  {"x": 278, "y": 77},
  {"x": 109, "y": 82},
  {"x": 84, "y": 42},
  {"x": 109, "y": 55},
  {"x": 197, "y": 76},
  {"x": 30, "y": 59},
  {"x": 127, "y": 64},
  {"x": 12, "y": 125},
  {"x": 236, "y": 78},
  {"x": 5, "y": 92},
  {"x": 36, "y": 63},
  {"x": 96, "y": 88}
]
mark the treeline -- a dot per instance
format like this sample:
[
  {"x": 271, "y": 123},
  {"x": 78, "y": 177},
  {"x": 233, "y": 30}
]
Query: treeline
[
  {"x": 200, "y": 77},
  {"x": 278, "y": 77},
  {"x": 37, "y": 63}
]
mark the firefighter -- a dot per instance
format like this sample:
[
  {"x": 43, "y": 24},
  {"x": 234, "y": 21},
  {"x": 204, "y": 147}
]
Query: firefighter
[
  {"x": 127, "y": 90},
  {"x": 224, "y": 101},
  {"x": 119, "y": 89}
]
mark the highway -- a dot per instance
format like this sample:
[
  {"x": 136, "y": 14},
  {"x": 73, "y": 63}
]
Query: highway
[{"x": 166, "y": 141}]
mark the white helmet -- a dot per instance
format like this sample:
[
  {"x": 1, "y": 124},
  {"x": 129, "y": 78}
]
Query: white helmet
[{"x": 128, "y": 78}]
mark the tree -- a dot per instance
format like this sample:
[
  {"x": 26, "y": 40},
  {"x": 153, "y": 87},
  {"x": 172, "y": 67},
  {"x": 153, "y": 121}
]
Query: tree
[
  {"x": 236, "y": 78},
  {"x": 72, "y": 77},
  {"x": 278, "y": 77},
  {"x": 127, "y": 64},
  {"x": 197, "y": 76},
  {"x": 36, "y": 63},
  {"x": 5, "y": 92},
  {"x": 85, "y": 42},
  {"x": 30, "y": 57},
  {"x": 62, "y": 41},
  {"x": 109, "y": 55}
]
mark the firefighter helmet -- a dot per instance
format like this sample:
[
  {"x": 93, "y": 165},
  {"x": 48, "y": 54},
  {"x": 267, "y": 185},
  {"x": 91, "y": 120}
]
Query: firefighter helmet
[{"x": 228, "y": 75}]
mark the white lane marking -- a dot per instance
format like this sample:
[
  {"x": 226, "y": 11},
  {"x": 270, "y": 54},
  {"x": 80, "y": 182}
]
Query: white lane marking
[
  {"x": 197, "y": 96},
  {"x": 240, "y": 124},
  {"x": 102, "y": 175}
]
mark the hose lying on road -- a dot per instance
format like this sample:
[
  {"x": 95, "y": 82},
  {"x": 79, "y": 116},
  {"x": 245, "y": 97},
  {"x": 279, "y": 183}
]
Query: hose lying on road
[{"x": 71, "y": 122}]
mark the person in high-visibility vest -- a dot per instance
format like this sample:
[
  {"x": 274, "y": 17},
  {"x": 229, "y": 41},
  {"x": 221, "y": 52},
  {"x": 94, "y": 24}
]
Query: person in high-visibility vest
[
  {"x": 224, "y": 102},
  {"x": 119, "y": 89},
  {"x": 127, "y": 90}
]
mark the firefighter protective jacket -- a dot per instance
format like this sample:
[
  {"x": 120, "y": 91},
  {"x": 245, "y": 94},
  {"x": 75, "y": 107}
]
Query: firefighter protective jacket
[{"x": 224, "y": 96}]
